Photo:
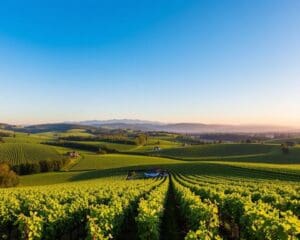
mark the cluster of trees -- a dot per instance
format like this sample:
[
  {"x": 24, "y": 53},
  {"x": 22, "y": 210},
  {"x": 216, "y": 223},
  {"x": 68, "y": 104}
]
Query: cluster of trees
[
  {"x": 8, "y": 178},
  {"x": 192, "y": 140},
  {"x": 285, "y": 148},
  {"x": 104, "y": 149},
  {"x": 107, "y": 138},
  {"x": 232, "y": 137},
  {"x": 158, "y": 134},
  {"x": 83, "y": 146},
  {"x": 4, "y": 134},
  {"x": 40, "y": 166},
  {"x": 129, "y": 138},
  {"x": 141, "y": 139},
  {"x": 74, "y": 145}
]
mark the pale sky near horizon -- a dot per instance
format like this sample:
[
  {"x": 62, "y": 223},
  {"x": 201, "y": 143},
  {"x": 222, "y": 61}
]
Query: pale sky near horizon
[{"x": 210, "y": 61}]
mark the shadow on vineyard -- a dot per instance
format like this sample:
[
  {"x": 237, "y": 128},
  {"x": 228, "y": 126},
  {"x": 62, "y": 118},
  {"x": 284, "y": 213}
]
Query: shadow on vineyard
[
  {"x": 173, "y": 226},
  {"x": 211, "y": 169},
  {"x": 129, "y": 228}
]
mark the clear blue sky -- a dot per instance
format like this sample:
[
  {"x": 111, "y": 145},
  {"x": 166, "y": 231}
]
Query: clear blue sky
[{"x": 235, "y": 61}]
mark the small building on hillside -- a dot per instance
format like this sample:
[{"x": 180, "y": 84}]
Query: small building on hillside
[
  {"x": 73, "y": 154},
  {"x": 156, "y": 148},
  {"x": 146, "y": 173},
  {"x": 156, "y": 172},
  {"x": 151, "y": 174}
]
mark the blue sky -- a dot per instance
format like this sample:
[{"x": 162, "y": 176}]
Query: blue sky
[{"x": 173, "y": 61}]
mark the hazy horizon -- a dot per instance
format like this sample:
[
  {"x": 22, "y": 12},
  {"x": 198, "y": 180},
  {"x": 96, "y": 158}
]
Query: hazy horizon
[
  {"x": 153, "y": 122},
  {"x": 213, "y": 62}
]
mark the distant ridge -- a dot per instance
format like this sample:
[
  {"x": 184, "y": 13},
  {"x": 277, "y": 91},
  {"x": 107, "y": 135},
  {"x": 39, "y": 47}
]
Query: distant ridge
[
  {"x": 142, "y": 125},
  {"x": 184, "y": 127},
  {"x": 118, "y": 121}
]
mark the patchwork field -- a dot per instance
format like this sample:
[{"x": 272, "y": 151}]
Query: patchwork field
[
  {"x": 109, "y": 161},
  {"x": 212, "y": 191},
  {"x": 17, "y": 153},
  {"x": 218, "y": 150}
]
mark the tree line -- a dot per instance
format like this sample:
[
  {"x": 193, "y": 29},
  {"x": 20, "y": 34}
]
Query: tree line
[
  {"x": 82, "y": 146},
  {"x": 109, "y": 139},
  {"x": 9, "y": 174},
  {"x": 40, "y": 166}
]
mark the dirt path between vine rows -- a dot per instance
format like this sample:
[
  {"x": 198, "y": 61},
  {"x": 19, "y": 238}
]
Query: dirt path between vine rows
[{"x": 173, "y": 226}]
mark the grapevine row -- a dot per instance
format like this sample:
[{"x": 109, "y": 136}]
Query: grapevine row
[
  {"x": 150, "y": 212},
  {"x": 248, "y": 219}
]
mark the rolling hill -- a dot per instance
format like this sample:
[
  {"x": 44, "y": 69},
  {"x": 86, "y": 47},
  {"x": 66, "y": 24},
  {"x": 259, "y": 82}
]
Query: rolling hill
[
  {"x": 140, "y": 125},
  {"x": 184, "y": 127},
  {"x": 17, "y": 153}
]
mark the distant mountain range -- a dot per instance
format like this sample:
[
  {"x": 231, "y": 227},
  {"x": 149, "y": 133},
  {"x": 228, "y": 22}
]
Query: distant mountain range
[
  {"x": 183, "y": 127},
  {"x": 117, "y": 121},
  {"x": 151, "y": 126}
]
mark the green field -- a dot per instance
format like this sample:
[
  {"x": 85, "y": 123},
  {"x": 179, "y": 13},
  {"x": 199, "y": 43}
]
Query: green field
[
  {"x": 296, "y": 140},
  {"x": 229, "y": 175},
  {"x": 260, "y": 153},
  {"x": 26, "y": 147},
  {"x": 218, "y": 150},
  {"x": 109, "y": 161}
]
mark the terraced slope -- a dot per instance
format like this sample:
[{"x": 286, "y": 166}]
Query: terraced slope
[
  {"x": 218, "y": 150},
  {"x": 17, "y": 153}
]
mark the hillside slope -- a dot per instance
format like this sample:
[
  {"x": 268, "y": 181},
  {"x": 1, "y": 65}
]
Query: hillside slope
[{"x": 17, "y": 153}]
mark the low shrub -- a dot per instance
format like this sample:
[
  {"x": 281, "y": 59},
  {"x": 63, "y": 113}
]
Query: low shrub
[{"x": 8, "y": 178}]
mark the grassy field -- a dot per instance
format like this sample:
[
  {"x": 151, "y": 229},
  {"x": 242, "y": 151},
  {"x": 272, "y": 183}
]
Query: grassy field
[
  {"x": 28, "y": 138},
  {"x": 217, "y": 150},
  {"x": 116, "y": 146},
  {"x": 74, "y": 132},
  {"x": 256, "y": 157},
  {"x": 256, "y": 153},
  {"x": 282, "y": 168},
  {"x": 109, "y": 161},
  {"x": 147, "y": 148}
]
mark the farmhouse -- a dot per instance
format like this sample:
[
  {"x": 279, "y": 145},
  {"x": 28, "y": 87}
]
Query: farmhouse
[
  {"x": 73, "y": 154},
  {"x": 151, "y": 174},
  {"x": 146, "y": 173},
  {"x": 156, "y": 148}
]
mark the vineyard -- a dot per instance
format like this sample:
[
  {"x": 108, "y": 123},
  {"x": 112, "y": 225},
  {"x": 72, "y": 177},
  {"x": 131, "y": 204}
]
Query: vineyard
[
  {"x": 209, "y": 208},
  {"x": 238, "y": 209},
  {"x": 17, "y": 153},
  {"x": 214, "y": 191},
  {"x": 150, "y": 120}
]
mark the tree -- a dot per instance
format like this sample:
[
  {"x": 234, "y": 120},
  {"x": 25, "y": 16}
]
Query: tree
[
  {"x": 285, "y": 148},
  {"x": 141, "y": 139},
  {"x": 44, "y": 166},
  {"x": 8, "y": 178}
]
